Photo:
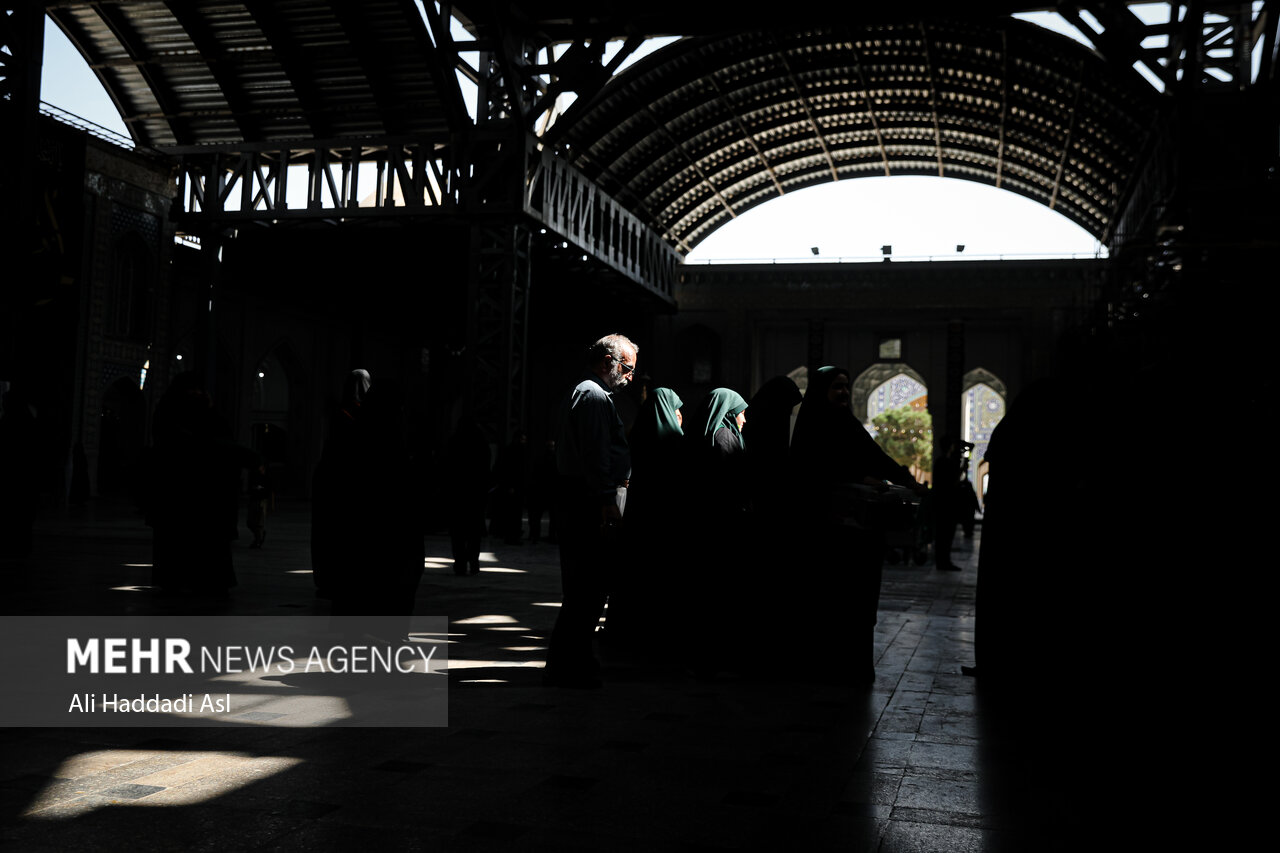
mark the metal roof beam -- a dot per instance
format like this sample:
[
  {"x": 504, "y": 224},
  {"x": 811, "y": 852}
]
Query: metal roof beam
[
  {"x": 866, "y": 97},
  {"x": 278, "y": 34},
  {"x": 132, "y": 43},
  {"x": 808, "y": 111},
  {"x": 438, "y": 21},
  {"x": 933, "y": 96},
  {"x": 211, "y": 52},
  {"x": 746, "y": 133}
]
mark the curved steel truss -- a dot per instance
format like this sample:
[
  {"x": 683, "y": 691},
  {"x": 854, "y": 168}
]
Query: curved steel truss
[
  {"x": 712, "y": 126},
  {"x": 203, "y": 73}
]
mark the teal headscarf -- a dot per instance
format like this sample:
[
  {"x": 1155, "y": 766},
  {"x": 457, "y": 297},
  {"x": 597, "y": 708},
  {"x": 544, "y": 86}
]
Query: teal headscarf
[
  {"x": 665, "y": 405},
  {"x": 656, "y": 424},
  {"x": 719, "y": 410}
]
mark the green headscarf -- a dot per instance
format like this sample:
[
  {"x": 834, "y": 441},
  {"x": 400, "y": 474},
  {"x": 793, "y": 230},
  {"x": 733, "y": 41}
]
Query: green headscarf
[
  {"x": 656, "y": 424},
  {"x": 665, "y": 403},
  {"x": 718, "y": 411}
]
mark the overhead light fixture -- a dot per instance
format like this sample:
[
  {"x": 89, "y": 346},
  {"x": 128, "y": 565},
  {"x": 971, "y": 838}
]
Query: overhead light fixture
[
  {"x": 959, "y": 247},
  {"x": 813, "y": 249}
]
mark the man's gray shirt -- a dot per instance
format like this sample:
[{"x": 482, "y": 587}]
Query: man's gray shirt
[{"x": 592, "y": 443}]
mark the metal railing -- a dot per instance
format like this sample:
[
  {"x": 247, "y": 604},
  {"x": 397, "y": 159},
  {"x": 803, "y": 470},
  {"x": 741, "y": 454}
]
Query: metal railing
[{"x": 93, "y": 129}]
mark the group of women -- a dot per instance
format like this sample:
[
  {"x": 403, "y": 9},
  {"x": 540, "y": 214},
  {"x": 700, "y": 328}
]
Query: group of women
[{"x": 741, "y": 548}]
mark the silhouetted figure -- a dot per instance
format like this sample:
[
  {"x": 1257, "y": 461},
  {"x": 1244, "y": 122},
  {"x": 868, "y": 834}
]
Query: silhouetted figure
[
  {"x": 542, "y": 487},
  {"x": 388, "y": 582},
  {"x": 510, "y": 475},
  {"x": 640, "y": 609},
  {"x": 342, "y": 501},
  {"x": 1032, "y": 568},
  {"x": 19, "y": 475},
  {"x": 717, "y": 496},
  {"x": 366, "y": 516},
  {"x": 468, "y": 481},
  {"x": 947, "y": 500},
  {"x": 768, "y": 544},
  {"x": 842, "y": 556},
  {"x": 593, "y": 461},
  {"x": 968, "y": 503},
  {"x": 193, "y": 499},
  {"x": 259, "y": 499},
  {"x": 768, "y": 441}
]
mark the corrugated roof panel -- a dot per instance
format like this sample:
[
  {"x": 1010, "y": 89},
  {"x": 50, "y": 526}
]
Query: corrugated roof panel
[
  {"x": 754, "y": 110},
  {"x": 222, "y": 72}
]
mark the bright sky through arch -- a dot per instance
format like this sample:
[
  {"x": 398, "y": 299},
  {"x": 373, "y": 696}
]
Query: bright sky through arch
[
  {"x": 67, "y": 82},
  {"x": 920, "y": 217}
]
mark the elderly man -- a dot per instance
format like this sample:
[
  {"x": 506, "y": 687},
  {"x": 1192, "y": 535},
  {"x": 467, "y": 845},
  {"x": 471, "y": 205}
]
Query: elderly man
[{"x": 593, "y": 464}]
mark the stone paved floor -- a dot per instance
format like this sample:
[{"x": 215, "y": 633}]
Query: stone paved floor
[{"x": 655, "y": 761}]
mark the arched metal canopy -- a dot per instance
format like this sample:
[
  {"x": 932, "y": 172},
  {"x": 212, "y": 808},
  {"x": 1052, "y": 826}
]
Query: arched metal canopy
[
  {"x": 688, "y": 138},
  {"x": 202, "y": 73},
  {"x": 715, "y": 125}
]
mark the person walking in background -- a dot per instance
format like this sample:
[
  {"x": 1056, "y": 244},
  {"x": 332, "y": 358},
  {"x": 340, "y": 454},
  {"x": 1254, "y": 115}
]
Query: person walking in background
[
  {"x": 468, "y": 481},
  {"x": 968, "y": 503},
  {"x": 260, "y": 497},
  {"x": 510, "y": 475},
  {"x": 542, "y": 487},
  {"x": 339, "y": 488}
]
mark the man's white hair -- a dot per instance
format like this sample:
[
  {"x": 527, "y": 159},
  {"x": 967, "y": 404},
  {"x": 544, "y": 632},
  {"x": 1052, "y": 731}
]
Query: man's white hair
[{"x": 615, "y": 346}]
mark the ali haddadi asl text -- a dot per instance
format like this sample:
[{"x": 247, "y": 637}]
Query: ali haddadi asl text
[{"x": 92, "y": 703}]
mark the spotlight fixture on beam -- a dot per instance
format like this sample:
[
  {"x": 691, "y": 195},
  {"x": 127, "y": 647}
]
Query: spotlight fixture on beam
[
  {"x": 959, "y": 247},
  {"x": 886, "y": 251},
  {"x": 813, "y": 249}
]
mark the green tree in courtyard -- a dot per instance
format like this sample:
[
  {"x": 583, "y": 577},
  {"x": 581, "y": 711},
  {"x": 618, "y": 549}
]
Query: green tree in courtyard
[{"x": 906, "y": 434}]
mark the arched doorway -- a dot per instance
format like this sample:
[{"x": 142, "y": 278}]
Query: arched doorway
[
  {"x": 892, "y": 401},
  {"x": 985, "y": 398}
]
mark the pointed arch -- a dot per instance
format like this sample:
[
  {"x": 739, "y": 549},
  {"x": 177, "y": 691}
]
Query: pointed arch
[
  {"x": 866, "y": 382},
  {"x": 985, "y": 399}
]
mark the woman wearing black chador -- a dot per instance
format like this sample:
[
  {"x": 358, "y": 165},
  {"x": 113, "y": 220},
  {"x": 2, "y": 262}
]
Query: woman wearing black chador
[
  {"x": 640, "y": 602},
  {"x": 831, "y": 452},
  {"x": 715, "y": 500}
]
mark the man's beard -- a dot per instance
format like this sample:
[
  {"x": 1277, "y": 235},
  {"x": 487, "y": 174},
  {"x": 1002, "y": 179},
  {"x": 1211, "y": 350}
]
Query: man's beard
[{"x": 620, "y": 379}]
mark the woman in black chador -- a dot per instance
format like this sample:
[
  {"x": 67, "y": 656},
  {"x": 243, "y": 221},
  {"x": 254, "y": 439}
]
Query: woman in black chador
[
  {"x": 772, "y": 518},
  {"x": 340, "y": 489},
  {"x": 639, "y": 603},
  {"x": 468, "y": 480},
  {"x": 768, "y": 439},
  {"x": 193, "y": 499},
  {"x": 366, "y": 521},
  {"x": 510, "y": 475},
  {"x": 830, "y": 449},
  {"x": 715, "y": 502}
]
